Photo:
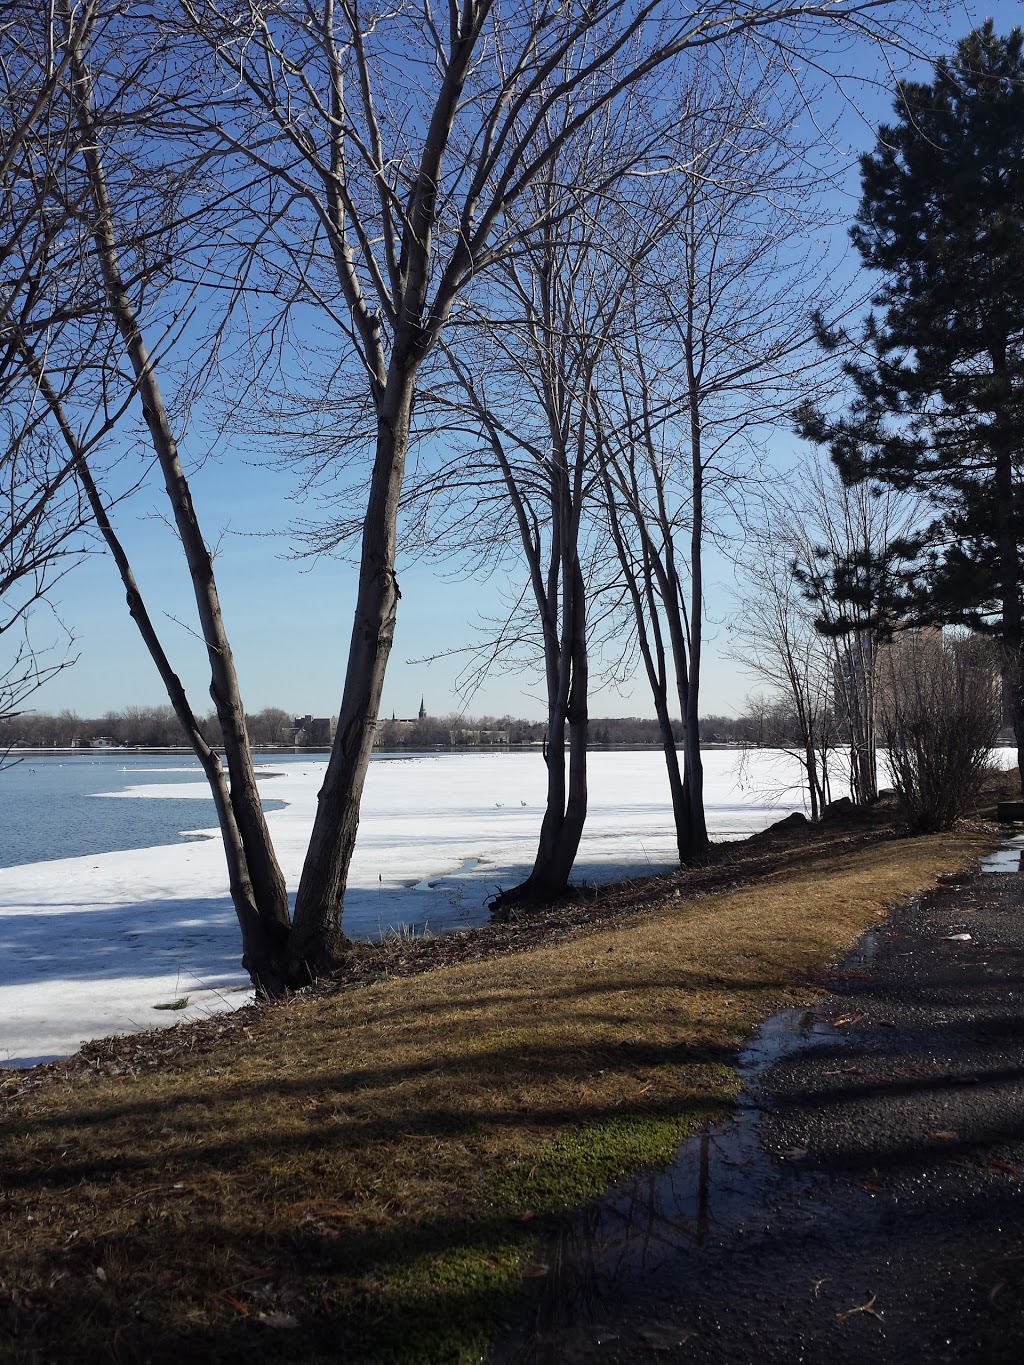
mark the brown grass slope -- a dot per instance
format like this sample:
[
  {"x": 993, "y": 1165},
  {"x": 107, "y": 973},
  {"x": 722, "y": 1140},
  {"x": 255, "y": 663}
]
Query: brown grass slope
[{"x": 353, "y": 1175}]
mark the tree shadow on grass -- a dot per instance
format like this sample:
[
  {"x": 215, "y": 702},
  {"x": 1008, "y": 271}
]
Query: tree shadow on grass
[{"x": 204, "y": 1248}]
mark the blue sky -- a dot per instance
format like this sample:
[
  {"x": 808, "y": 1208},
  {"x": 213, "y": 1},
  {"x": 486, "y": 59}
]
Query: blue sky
[{"x": 289, "y": 620}]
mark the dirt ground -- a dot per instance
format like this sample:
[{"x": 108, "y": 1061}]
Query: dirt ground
[{"x": 866, "y": 1203}]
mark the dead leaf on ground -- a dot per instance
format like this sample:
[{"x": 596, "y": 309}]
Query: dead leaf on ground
[
  {"x": 993, "y": 1163},
  {"x": 276, "y": 1319},
  {"x": 996, "y": 1164},
  {"x": 868, "y": 1307},
  {"x": 663, "y": 1338},
  {"x": 235, "y": 1303}
]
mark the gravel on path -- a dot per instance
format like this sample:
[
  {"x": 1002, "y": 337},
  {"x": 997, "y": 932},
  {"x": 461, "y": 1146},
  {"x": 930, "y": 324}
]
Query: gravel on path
[{"x": 866, "y": 1204}]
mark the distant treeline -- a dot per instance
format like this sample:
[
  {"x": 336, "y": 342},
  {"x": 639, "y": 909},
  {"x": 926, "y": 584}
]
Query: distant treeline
[
  {"x": 768, "y": 725},
  {"x": 157, "y": 727},
  {"x": 147, "y": 727}
]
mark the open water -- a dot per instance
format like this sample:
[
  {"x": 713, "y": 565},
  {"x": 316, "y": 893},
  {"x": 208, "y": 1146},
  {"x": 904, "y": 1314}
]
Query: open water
[{"x": 66, "y": 805}]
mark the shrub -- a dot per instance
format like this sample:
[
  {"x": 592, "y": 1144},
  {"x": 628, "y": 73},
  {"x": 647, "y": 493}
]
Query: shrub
[{"x": 940, "y": 710}]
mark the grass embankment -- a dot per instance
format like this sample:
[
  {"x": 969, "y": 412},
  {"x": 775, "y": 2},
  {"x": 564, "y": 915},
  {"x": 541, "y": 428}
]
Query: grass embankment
[{"x": 355, "y": 1176}]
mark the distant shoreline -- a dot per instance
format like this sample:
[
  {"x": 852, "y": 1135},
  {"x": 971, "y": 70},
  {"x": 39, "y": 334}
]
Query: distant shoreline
[
  {"x": 84, "y": 750},
  {"x": 390, "y": 751}
]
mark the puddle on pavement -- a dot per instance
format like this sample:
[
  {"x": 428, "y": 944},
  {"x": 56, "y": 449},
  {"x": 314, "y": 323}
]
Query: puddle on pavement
[
  {"x": 1009, "y": 857},
  {"x": 721, "y": 1183}
]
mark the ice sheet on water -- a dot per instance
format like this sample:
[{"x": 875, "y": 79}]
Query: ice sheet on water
[{"x": 89, "y": 946}]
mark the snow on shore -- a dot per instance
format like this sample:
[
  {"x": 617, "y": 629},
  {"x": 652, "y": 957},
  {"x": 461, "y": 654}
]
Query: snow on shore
[{"x": 95, "y": 945}]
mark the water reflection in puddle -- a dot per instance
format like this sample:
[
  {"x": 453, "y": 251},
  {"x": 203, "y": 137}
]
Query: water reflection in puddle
[
  {"x": 722, "y": 1183},
  {"x": 1008, "y": 858}
]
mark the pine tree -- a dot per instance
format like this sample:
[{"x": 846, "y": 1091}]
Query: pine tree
[{"x": 939, "y": 381}]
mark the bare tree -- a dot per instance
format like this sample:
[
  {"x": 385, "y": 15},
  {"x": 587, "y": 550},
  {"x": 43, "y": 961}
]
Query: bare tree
[
  {"x": 844, "y": 542},
  {"x": 841, "y": 545},
  {"x": 823, "y": 563},
  {"x": 80, "y": 372},
  {"x": 941, "y": 706},
  {"x": 42, "y": 292},
  {"x": 550, "y": 320},
  {"x": 777, "y": 642},
  {"x": 718, "y": 348},
  {"x": 405, "y": 186}
]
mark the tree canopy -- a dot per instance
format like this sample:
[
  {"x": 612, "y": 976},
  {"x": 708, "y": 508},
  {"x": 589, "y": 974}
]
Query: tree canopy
[{"x": 939, "y": 371}]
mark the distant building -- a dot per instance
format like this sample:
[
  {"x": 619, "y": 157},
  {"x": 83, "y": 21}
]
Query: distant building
[
  {"x": 105, "y": 742},
  {"x": 405, "y": 722},
  {"x": 314, "y": 731},
  {"x": 473, "y": 738},
  {"x": 918, "y": 650}
]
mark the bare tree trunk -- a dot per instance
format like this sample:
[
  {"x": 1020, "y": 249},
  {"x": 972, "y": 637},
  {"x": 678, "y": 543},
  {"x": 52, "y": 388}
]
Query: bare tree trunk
[
  {"x": 693, "y": 763},
  {"x": 1006, "y": 448},
  {"x": 579, "y": 722},
  {"x": 855, "y": 688},
  {"x": 652, "y": 650},
  {"x": 565, "y": 812},
  {"x": 813, "y": 789},
  {"x": 684, "y": 628},
  {"x": 263, "y": 940},
  {"x": 318, "y": 942},
  {"x": 264, "y": 874}
]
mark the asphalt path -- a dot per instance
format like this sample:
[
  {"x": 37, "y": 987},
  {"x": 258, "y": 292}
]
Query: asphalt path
[{"x": 867, "y": 1202}]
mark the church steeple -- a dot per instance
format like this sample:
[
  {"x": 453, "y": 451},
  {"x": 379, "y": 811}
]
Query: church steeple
[{"x": 423, "y": 710}]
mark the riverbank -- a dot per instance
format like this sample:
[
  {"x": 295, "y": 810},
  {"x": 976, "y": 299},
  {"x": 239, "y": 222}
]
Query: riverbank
[
  {"x": 360, "y": 1172},
  {"x": 105, "y": 942}
]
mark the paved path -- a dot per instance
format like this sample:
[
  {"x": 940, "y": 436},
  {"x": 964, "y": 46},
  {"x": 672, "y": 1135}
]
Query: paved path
[{"x": 866, "y": 1205}]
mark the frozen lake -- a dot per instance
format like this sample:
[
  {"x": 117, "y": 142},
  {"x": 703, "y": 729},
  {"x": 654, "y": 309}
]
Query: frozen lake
[{"x": 94, "y": 944}]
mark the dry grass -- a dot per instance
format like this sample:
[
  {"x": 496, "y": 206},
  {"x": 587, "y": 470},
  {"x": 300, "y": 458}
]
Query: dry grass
[{"x": 353, "y": 1177}]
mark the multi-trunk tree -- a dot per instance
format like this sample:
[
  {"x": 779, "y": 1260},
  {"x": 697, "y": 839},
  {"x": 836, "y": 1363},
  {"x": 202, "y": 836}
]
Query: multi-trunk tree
[
  {"x": 551, "y": 319},
  {"x": 715, "y": 346},
  {"x": 370, "y": 173},
  {"x": 775, "y": 639}
]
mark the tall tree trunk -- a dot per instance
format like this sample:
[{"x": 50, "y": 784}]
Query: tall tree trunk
[
  {"x": 693, "y": 767},
  {"x": 854, "y": 663},
  {"x": 263, "y": 940},
  {"x": 264, "y": 873},
  {"x": 318, "y": 942},
  {"x": 693, "y": 762},
  {"x": 1006, "y": 447},
  {"x": 652, "y": 650},
  {"x": 579, "y": 725},
  {"x": 565, "y": 813},
  {"x": 811, "y": 766},
  {"x": 677, "y": 791}
]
